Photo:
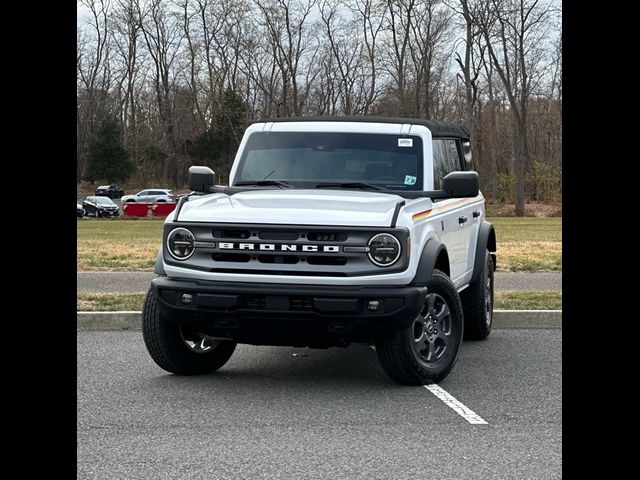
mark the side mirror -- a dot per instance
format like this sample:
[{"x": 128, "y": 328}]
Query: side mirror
[
  {"x": 201, "y": 179},
  {"x": 461, "y": 184}
]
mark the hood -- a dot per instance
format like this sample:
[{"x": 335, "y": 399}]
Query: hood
[
  {"x": 294, "y": 207},
  {"x": 104, "y": 206}
]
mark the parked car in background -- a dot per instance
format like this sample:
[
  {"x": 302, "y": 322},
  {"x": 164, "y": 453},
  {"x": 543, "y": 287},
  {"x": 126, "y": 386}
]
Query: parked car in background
[
  {"x": 79, "y": 210},
  {"x": 100, "y": 207},
  {"x": 178, "y": 197},
  {"x": 111, "y": 191},
  {"x": 150, "y": 195}
]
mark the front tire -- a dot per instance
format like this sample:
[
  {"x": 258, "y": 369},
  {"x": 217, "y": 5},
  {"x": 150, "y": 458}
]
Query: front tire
[
  {"x": 178, "y": 349},
  {"x": 426, "y": 351},
  {"x": 477, "y": 303}
]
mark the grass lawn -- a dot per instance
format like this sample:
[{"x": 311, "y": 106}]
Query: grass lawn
[
  {"x": 110, "y": 302},
  {"x": 512, "y": 300},
  {"x": 529, "y": 244},
  {"x": 113, "y": 244}
]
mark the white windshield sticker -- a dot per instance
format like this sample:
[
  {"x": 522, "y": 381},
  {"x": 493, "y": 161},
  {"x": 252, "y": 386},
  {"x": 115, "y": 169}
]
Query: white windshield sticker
[
  {"x": 410, "y": 180},
  {"x": 405, "y": 142}
]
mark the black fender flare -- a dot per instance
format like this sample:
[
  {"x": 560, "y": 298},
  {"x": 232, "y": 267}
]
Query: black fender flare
[
  {"x": 430, "y": 253},
  {"x": 486, "y": 241},
  {"x": 159, "y": 267}
]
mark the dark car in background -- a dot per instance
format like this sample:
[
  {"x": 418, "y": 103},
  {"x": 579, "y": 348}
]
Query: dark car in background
[
  {"x": 96, "y": 206},
  {"x": 111, "y": 191}
]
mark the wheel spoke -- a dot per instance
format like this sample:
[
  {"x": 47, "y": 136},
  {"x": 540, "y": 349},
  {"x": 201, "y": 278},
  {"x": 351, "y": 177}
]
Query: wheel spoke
[
  {"x": 197, "y": 342},
  {"x": 434, "y": 351},
  {"x": 418, "y": 329},
  {"x": 428, "y": 355},
  {"x": 205, "y": 344},
  {"x": 488, "y": 301},
  {"x": 431, "y": 302},
  {"x": 443, "y": 313}
]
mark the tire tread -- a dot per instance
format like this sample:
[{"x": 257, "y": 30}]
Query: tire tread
[{"x": 168, "y": 351}]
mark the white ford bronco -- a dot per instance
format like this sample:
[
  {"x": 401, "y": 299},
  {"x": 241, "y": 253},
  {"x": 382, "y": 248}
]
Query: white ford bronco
[{"x": 331, "y": 231}]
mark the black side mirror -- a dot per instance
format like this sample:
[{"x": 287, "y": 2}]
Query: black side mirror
[
  {"x": 461, "y": 184},
  {"x": 201, "y": 179}
]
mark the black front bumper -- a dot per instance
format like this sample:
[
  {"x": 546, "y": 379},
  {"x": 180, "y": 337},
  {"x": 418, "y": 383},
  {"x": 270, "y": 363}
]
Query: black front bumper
[
  {"x": 110, "y": 213},
  {"x": 285, "y": 314}
]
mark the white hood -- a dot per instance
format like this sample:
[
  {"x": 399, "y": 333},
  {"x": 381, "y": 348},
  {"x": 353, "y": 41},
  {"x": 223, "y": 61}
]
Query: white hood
[{"x": 294, "y": 207}]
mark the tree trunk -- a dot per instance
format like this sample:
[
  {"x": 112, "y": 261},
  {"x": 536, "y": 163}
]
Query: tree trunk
[{"x": 519, "y": 163}]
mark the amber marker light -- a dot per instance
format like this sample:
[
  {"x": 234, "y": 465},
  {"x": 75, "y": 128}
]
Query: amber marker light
[{"x": 420, "y": 215}]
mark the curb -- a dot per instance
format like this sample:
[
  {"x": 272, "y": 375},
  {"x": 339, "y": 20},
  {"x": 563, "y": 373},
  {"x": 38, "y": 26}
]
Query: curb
[{"x": 131, "y": 320}]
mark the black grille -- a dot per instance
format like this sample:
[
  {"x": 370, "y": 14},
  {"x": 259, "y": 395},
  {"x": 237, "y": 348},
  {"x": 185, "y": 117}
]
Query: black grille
[
  {"x": 286, "y": 250},
  {"x": 326, "y": 237},
  {"x": 285, "y": 259},
  {"x": 240, "y": 234},
  {"x": 283, "y": 235},
  {"x": 259, "y": 302},
  {"x": 255, "y": 302},
  {"x": 301, "y": 303}
]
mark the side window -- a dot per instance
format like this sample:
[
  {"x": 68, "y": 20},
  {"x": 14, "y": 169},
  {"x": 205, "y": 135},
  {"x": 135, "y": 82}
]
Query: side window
[
  {"x": 143, "y": 193},
  {"x": 445, "y": 160}
]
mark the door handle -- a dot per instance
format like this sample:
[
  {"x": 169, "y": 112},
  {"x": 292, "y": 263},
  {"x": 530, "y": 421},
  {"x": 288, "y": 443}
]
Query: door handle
[
  {"x": 476, "y": 214},
  {"x": 462, "y": 219}
]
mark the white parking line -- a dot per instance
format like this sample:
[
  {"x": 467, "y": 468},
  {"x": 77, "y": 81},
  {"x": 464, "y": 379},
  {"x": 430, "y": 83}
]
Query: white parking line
[
  {"x": 453, "y": 403},
  {"x": 458, "y": 407}
]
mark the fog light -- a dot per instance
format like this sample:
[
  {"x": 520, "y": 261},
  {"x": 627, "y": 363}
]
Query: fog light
[
  {"x": 186, "y": 298},
  {"x": 373, "y": 305}
]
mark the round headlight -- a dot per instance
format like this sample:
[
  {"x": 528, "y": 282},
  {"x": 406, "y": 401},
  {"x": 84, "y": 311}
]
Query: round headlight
[
  {"x": 181, "y": 243},
  {"x": 384, "y": 249}
]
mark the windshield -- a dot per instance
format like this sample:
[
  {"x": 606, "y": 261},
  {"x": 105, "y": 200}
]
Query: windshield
[
  {"x": 305, "y": 159},
  {"x": 101, "y": 200}
]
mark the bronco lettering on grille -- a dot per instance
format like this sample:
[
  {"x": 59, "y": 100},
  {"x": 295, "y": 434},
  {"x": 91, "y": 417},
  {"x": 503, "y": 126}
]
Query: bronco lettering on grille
[{"x": 279, "y": 247}]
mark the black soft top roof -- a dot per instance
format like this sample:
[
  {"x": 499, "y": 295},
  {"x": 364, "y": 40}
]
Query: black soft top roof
[{"x": 438, "y": 129}]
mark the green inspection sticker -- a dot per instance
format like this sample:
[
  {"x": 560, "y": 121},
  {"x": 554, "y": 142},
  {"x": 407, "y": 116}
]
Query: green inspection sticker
[{"x": 410, "y": 180}]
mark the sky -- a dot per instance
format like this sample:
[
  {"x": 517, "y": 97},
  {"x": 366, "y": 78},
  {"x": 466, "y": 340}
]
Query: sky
[{"x": 82, "y": 13}]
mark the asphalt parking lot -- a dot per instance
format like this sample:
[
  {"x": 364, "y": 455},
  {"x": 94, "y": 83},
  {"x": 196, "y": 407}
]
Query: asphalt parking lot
[{"x": 275, "y": 412}]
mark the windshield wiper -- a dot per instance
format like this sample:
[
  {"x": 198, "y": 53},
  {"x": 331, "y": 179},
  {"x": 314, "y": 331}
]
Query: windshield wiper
[
  {"x": 263, "y": 183},
  {"x": 362, "y": 185}
]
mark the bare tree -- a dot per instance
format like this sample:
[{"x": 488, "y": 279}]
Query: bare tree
[
  {"x": 346, "y": 50},
  {"x": 471, "y": 64},
  {"x": 289, "y": 37},
  {"x": 163, "y": 36},
  {"x": 126, "y": 33},
  {"x": 514, "y": 32},
  {"x": 430, "y": 27},
  {"x": 186, "y": 76},
  {"x": 91, "y": 60},
  {"x": 372, "y": 16},
  {"x": 399, "y": 24},
  {"x": 193, "y": 60}
]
